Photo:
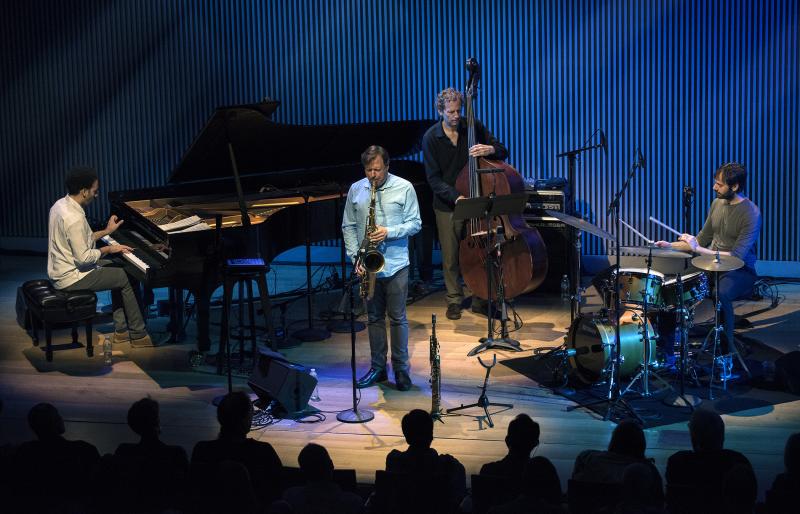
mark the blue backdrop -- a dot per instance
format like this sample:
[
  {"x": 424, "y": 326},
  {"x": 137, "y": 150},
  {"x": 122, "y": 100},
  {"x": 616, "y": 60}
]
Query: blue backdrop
[{"x": 125, "y": 86}]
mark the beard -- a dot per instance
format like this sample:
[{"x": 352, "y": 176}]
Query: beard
[{"x": 727, "y": 196}]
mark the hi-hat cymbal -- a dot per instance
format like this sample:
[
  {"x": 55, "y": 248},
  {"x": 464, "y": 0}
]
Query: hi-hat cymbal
[
  {"x": 580, "y": 224},
  {"x": 718, "y": 262},
  {"x": 644, "y": 251}
]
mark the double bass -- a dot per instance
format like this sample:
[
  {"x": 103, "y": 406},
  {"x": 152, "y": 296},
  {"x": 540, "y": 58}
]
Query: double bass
[{"x": 524, "y": 256}]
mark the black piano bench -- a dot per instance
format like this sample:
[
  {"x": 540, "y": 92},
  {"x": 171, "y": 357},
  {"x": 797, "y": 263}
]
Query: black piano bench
[
  {"x": 49, "y": 306},
  {"x": 243, "y": 272}
]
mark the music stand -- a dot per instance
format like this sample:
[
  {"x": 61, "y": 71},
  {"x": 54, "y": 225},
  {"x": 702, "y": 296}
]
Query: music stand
[{"x": 489, "y": 207}]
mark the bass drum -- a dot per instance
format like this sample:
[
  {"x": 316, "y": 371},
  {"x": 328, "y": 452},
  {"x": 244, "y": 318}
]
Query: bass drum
[{"x": 593, "y": 339}]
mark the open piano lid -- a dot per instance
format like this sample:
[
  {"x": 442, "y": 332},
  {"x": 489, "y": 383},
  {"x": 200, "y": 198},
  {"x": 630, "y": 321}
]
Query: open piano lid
[{"x": 262, "y": 145}]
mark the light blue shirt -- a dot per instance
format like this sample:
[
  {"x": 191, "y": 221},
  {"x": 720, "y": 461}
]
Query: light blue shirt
[{"x": 396, "y": 208}]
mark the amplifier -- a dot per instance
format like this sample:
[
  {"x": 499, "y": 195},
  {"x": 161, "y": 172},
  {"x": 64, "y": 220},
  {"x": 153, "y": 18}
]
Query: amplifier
[
  {"x": 540, "y": 200},
  {"x": 556, "y": 237}
]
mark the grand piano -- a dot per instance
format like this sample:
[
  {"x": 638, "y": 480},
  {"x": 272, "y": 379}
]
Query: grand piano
[{"x": 293, "y": 177}]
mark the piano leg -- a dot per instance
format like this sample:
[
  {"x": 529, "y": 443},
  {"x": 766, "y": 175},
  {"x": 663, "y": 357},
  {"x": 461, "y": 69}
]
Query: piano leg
[{"x": 202, "y": 301}]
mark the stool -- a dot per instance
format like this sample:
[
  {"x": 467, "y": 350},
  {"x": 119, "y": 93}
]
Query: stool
[
  {"x": 243, "y": 271},
  {"x": 51, "y": 306}
]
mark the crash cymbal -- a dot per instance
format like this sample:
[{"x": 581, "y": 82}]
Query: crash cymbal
[
  {"x": 644, "y": 251},
  {"x": 580, "y": 224},
  {"x": 718, "y": 262}
]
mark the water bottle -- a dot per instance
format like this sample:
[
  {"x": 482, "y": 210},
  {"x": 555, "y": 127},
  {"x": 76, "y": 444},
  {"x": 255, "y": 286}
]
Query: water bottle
[
  {"x": 565, "y": 288},
  {"x": 107, "y": 350},
  {"x": 315, "y": 395}
]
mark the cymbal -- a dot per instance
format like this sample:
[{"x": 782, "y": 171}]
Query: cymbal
[
  {"x": 580, "y": 224},
  {"x": 644, "y": 251},
  {"x": 725, "y": 262}
]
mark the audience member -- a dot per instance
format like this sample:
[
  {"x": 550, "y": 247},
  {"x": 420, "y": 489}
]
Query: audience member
[
  {"x": 157, "y": 471},
  {"x": 642, "y": 490},
  {"x": 739, "y": 490},
  {"x": 705, "y": 465},
  {"x": 522, "y": 437},
  {"x": 235, "y": 416},
  {"x": 321, "y": 495},
  {"x": 68, "y": 466},
  {"x": 784, "y": 496},
  {"x": 422, "y": 460},
  {"x": 541, "y": 490},
  {"x": 627, "y": 446}
]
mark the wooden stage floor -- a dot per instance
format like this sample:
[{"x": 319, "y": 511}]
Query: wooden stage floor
[{"x": 94, "y": 398}]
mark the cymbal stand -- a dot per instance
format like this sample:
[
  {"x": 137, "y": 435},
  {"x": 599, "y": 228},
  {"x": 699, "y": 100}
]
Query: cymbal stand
[
  {"x": 483, "y": 400},
  {"x": 614, "y": 399}
]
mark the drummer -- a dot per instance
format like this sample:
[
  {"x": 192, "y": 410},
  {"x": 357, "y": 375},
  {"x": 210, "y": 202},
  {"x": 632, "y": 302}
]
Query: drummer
[{"x": 732, "y": 228}]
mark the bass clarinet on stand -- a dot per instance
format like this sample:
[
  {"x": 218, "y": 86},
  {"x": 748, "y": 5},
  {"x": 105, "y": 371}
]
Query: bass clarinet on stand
[{"x": 436, "y": 374}]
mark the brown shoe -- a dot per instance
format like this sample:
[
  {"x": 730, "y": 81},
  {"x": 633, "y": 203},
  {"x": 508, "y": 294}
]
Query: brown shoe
[
  {"x": 120, "y": 337},
  {"x": 142, "y": 342}
]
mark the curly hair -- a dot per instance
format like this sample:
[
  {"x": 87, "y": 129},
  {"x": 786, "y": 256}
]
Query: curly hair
[{"x": 448, "y": 95}]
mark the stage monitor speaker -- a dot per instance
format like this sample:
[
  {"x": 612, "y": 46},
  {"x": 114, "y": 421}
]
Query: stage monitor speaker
[
  {"x": 555, "y": 235},
  {"x": 287, "y": 384}
]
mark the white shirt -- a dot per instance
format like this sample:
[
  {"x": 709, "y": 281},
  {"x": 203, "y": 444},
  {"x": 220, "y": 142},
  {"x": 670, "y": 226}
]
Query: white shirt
[{"x": 71, "y": 254}]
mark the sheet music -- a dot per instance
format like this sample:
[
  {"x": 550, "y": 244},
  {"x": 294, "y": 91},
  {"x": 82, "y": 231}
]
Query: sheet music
[
  {"x": 194, "y": 228},
  {"x": 180, "y": 225}
]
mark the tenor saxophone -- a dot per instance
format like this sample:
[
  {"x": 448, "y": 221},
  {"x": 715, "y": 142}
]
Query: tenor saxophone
[
  {"x": 369, "y": 257},
  {"x": 436, "y": 374}
]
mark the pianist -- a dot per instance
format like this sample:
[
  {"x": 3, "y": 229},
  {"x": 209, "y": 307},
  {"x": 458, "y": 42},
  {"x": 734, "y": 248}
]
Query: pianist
[{"x": 74, "y": 263}]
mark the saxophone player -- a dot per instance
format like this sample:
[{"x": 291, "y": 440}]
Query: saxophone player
[{"x": 393, "y": 203}]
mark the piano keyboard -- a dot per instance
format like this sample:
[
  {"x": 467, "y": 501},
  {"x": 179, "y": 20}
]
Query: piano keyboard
[{"x": 130, "y": 257}]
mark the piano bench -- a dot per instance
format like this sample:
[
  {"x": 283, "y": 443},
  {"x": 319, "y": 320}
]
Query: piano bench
[{"x": 48, "y": 306}]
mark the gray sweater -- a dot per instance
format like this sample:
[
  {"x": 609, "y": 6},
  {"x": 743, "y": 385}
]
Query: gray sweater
[{"x": 732, "y": 228}]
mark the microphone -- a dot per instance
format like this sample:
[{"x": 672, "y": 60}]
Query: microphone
[
  {"x": 641, "y": 159},
  {"x": 603, "y": 142},
  {"x": 571, "y": 352}
]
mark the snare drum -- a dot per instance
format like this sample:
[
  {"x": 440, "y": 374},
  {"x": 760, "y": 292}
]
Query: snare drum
[
  {"x": 593, "y": 339},
  {"x": 695, "y": 289},
  {"x": 635, "y": 283}
]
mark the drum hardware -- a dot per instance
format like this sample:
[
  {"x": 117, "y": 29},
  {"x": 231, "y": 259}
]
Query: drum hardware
[
  {"x": 613, "y": 398},
  {"x": 717, "y": 264},
  {"x": 580, "y": 226},
  {"x": 687, "y": 400}
]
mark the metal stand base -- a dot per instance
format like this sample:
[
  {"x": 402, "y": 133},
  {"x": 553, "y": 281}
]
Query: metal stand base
[
  {"x": 342, "y": 326},
  {"x": 355, "y": 416},
  {"x": 504, "y": 343},
  {"x": 311, "y": 334}
]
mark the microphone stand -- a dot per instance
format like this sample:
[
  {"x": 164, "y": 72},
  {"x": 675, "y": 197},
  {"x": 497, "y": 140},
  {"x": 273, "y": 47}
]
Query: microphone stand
[
  {"x": 575, "y": 234},
  {"x": 353, "y": 415}
]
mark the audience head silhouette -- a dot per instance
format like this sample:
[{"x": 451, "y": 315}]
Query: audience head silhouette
[
  {"x": 541, "y": 480},
  {"x": 143, "y": 418},
  {"x": 628, "y": 439},
  {"x": 523, "y": 435},
  {"x": 707, "y": 430},
  {"x": 235, "y": 415},
  {"x": 417, "y": 428},
  {"x": 45, "y": 421},
  {"x": 315, "y": 463},
  {"x": 641, "y": 485},
  {"x": 791, "y": 455},
  {"x": 740, "y": 489}
]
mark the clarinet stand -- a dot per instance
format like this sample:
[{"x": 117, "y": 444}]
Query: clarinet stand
[
  {"x": 616, "y": 403},
  {"x": 489, "y": 207},
  {"x": 353, "y": 415},
  {"x": 483, "y": 400}
]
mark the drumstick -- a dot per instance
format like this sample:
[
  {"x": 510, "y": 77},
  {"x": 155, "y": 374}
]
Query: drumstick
[
  {"x": 646, "y": 240},
  {"x": 666, "y": 226}
]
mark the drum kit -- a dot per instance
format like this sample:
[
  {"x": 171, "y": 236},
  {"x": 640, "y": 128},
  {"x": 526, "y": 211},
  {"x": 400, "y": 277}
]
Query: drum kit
[{"x": 653, "y": 307}]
